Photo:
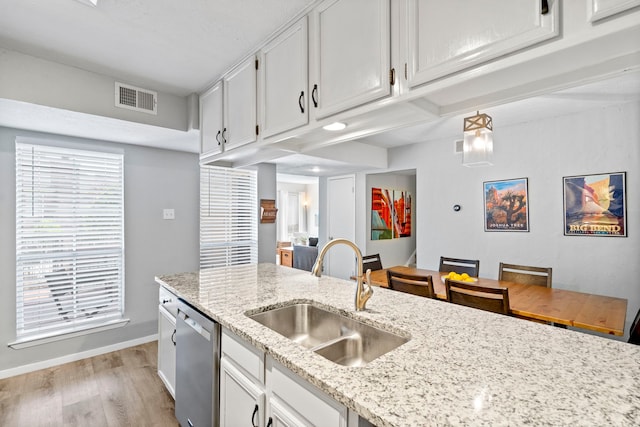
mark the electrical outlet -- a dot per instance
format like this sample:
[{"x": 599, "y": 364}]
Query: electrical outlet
[{"x": 169, "y": 214}]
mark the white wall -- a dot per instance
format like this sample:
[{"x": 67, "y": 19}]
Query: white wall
[
  {"x": 393, "y": 251},
  {"x": 154, "y": 179},
  {"x": 598, "y": 141}
]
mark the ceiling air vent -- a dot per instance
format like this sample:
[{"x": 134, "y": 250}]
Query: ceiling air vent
[{"x": 135, "y": 98}]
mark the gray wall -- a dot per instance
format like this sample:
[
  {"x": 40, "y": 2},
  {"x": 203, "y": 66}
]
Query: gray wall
[
  {"x": 29, "y": 79},
  {"x": 598, "y": 141},
  {"x": 266, "y": 231},
  {"x": 154, "y": 179}
]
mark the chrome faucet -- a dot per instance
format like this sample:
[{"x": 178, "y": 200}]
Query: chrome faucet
[{"x": 363, "y": 293}]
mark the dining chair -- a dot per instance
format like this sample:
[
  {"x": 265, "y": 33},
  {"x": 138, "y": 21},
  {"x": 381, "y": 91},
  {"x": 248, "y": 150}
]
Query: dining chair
[
  {"x": 481, "y": 297},
  {"x": 411, "y": 284},
  {"x": 371, "y": 262},
  {"x": 634, "y": 332},
  {"x": 469, "y": 266},
  {"x": 540, "y": 276}
]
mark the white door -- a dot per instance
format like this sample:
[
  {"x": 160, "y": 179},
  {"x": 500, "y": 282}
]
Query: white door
[
  {"x": 352, "y": 54},
  {"x": 285, "y": 73},
  {"x": 241, "y": 400},
  {"x": 341, "y": 222}
]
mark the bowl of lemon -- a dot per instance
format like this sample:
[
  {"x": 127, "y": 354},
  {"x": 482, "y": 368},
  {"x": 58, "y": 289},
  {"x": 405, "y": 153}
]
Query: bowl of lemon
[{"x": 464, "y": 277}]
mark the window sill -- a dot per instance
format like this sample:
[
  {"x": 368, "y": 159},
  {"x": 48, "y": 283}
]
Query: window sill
[{"x": 44, "y": 339}]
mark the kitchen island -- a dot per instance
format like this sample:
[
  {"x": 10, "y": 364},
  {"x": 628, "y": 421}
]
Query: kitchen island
[{"x": 461, "y": 366}]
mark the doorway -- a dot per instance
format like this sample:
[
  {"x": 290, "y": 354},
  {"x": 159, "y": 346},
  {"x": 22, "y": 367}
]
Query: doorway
[{"x": 298, "y": 209}]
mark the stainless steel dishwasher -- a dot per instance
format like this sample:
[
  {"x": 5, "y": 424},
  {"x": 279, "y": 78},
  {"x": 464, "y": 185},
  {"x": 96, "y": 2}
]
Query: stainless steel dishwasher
[{"x": 197, "y": 367}]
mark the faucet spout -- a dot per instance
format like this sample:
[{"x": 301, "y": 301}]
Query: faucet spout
[{"x": 363, "y": 289}]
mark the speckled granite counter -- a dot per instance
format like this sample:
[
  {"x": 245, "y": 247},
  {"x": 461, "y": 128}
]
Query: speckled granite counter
[{"x": 461, "y": 367}]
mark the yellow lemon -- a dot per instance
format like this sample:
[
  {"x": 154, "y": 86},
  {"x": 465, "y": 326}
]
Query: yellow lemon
[
  {"x": 464, "y": 275},
  {"x": 468, "y": 279},
  {"x": 456, "y": 276}
]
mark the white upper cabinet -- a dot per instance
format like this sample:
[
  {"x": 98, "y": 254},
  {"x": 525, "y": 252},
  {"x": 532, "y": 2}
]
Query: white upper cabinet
[
  {"x": 211, "y": 120},
  {"x": 228, "y": 117},
  {"x": 240, "y": 118},
  {"x": 284, "y": 69},
  {"x": 351, "y": 55},
  {"x": 448, "y": 36},
  {"x": 599, "y": 9}
]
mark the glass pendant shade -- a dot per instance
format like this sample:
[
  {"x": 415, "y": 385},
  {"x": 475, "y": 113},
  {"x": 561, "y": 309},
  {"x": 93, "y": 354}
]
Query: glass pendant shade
[{"x": 477, "y": 147}]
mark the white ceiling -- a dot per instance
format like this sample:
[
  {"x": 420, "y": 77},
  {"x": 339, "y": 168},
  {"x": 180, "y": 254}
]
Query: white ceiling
[
  {"x": 180, "y": 47},
  {"x": 175, "y": 46}
]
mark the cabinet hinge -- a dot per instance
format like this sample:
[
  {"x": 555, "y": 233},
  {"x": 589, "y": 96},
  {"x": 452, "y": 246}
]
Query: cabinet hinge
[
  {"x": 405, "y": 71},
  {"x": 392, "y": 76},
  {"x": 257, "y": 130},
  {"x": 256, "y": 64}
]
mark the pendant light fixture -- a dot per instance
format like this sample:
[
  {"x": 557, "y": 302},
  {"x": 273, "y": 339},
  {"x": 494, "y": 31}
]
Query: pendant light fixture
[{"x": 477, "y": 147}]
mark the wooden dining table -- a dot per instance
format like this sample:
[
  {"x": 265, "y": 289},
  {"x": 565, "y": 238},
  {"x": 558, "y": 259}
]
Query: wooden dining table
[{"x": 581, "y": 310}]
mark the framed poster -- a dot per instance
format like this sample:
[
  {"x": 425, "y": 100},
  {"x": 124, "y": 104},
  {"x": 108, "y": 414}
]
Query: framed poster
[
  {"x": 506, "y": 206},
  {"x": 595, "y": 205},
  {"x": 390, "y": 214}
]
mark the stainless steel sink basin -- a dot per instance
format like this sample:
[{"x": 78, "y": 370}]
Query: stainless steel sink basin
[{"x": 334, "y": 336}]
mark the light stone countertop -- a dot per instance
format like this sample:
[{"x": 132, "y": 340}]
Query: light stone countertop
[{"x": 461, "y": 367}]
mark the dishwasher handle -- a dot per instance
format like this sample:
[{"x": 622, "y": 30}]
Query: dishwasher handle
[{"x": 197, "y": 327}]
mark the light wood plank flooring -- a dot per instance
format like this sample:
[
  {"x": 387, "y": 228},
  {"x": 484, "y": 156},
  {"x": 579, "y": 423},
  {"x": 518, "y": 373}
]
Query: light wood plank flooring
[{"x": 115, "y": 389}]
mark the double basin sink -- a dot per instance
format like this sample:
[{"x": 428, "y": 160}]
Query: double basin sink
[{"x": 334, "y": 336}]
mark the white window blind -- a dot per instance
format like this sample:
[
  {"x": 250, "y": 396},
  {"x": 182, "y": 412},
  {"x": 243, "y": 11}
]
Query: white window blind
[
  {"x": 69, "y": 240},
  {"x": 228, "y": 217}
]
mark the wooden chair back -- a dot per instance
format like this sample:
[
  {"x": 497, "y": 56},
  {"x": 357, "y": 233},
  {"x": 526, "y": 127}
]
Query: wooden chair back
[
  {"x": 371, "y": 262},
  {"x": 634, "y": 332},
  {"x": 469, "y": 266},
  {"x": 481, "y": 297},
  {"x": 540, "y": 276},
  {"x": 411, "y": 284}
]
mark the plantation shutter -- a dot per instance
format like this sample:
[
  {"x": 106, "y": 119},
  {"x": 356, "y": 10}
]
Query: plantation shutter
[
  {"x": 228, "y": 217},
  {"x": 69, "y": 240}
]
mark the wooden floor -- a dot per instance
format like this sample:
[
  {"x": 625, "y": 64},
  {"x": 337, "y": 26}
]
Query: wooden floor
[{"x": 115, "y": 389}]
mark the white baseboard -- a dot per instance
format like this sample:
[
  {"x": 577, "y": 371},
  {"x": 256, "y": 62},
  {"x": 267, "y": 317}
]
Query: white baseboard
[{"x": 75, "y": 356}]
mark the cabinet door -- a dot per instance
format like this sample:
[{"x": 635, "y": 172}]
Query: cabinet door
[
  {"x": 281, "y": 416},
  {"x": 599, "y": 9},
  {"x": 352, "y": 54},
  {"x": 240, "y": 105},
  {"x": 448, "y": 36},
  {"x": 241, "y": 400},
  {"x": 167, "y": 349},
  {"x": 211, "y": 120},
  {"x": 285, "y": 71},
  {"x": 303, "y": 401}
]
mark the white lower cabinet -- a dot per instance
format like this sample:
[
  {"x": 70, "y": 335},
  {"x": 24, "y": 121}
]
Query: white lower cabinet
[
  {"x": 259, "y": 392},
  {"x": 294, "y": 402},
  {"x": 241, "y": 399},
  {"x": 167, "y": 311},
  {"x": 281, "y": 416}
]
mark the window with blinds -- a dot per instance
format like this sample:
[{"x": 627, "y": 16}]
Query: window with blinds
[
  {"x": 69, "y": 240},
  {"x": 228, "y": 217}
]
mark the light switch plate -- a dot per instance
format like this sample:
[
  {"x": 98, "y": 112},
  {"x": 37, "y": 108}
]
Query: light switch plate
[{"x": 169, "y": 214}]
